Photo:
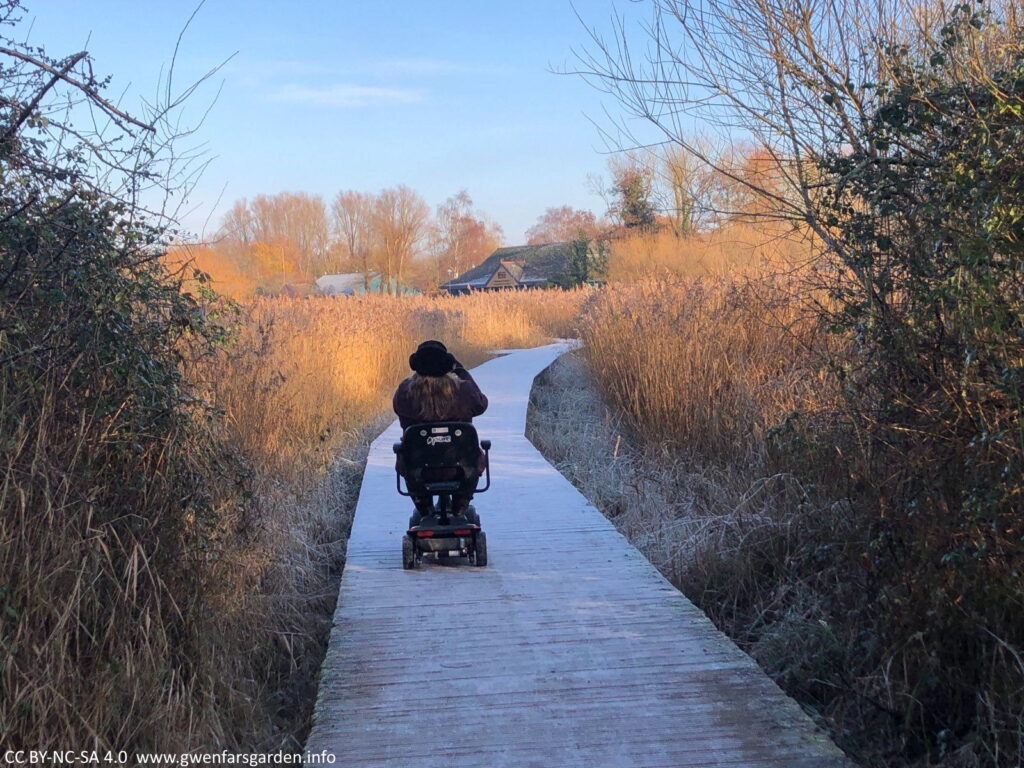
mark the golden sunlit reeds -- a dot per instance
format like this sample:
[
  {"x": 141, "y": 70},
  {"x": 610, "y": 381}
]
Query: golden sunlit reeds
[
  {"x": 736, "y": 248},
  {"x": 308, "y": 371},
  {"x": 704, "y": 364}
]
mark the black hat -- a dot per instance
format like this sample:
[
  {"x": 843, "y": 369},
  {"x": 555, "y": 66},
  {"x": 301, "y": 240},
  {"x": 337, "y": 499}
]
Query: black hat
[{"x": 431, "y": 358}]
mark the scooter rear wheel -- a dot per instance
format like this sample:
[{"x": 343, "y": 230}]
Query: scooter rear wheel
[
  {"x": 480, "y": 550},
  {"x": 408, "y": 554}
]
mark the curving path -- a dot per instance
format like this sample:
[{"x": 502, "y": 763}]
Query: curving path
[{"x": 568, "y": 649}]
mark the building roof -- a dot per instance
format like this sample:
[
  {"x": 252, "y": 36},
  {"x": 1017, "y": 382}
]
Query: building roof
[
  {"x": 299, "y": 290},
  {"x": 352, "y": 284},
  {"x": 335, "y": 285},
  {"x": 528, "y": 264}
]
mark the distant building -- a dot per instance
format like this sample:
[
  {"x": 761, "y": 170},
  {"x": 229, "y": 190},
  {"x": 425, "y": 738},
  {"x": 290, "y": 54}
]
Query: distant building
[
  {"x": 299, "y": 290},
  {"x": 518, "y": 267},
  {"x": 353, "y": 283},
  {"x": 341, "y": 285}
]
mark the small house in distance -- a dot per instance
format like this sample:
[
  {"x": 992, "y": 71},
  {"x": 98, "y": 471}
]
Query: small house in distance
[
  {"x": 353, "y": 284},
  {"x": 347, "y": 284},
  {"x": 518, "y": 267}
]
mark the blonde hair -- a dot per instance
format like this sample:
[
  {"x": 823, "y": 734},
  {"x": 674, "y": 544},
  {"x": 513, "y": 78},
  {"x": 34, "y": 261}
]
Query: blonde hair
[{"x": 434, "y": 395}]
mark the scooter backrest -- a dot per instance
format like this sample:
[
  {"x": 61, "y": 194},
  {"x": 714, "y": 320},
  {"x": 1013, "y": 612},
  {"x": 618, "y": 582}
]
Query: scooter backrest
[{"x": 442, "y": 444}]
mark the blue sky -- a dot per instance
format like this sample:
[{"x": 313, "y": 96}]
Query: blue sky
[{"x": 355, "y": 94}]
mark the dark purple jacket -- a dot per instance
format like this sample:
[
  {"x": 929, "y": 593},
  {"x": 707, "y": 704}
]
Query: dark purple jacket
[{"x": 469, "y": 402}]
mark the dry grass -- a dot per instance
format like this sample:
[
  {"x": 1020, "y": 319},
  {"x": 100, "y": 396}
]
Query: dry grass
[
  {"x": 735, "y": 248},
  {"x": 307, "y": 371},
  {"x": 705, "y": 364}
]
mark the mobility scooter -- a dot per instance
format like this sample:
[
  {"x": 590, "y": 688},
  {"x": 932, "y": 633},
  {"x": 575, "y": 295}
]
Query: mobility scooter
[{"x": 439, "y": 460}]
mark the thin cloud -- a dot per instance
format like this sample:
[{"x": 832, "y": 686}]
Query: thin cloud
[
  {"x": 426, "y": 67},
  {"x": 416, "y": 66},
  {"x": 277, "y": 68},
  {"x": 344, "y": 95}
]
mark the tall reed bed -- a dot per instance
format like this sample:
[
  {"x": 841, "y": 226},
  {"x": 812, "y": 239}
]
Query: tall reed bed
[
  {"x": 738, "y": 247},
  {"x": 705, "y": 378},
  {"x": 101, "y": 643},
  {"x": 305, "y": 372},
  {"x": 705, "y": 365}
]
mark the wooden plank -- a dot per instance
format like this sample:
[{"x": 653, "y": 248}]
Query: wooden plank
[{"x": 568, "y": 649}]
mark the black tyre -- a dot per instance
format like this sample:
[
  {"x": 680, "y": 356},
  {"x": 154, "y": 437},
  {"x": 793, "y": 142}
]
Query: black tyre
[
  {"x": 480, "y": 551},
  {"x": 472, "y": 516},
  {"x": 408, "y": 554},
  {"x": 415, "y": 519}
]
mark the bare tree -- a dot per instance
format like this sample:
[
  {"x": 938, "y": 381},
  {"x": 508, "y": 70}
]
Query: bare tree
[
  {"x": 795, "y": 78},
  {"x": 564, "y": 223},
  {"x": 798, "y": 80},
  {"x": 688, "y": 191},
  {"x": 353, "y": 227},
  {"x": 238, "y": 224},
  {"x": 295, "y": 223},
  {"x": 462, "y": 236},
  {"x": 295, "y": 218},
  {"x": 400, "y": 220}
]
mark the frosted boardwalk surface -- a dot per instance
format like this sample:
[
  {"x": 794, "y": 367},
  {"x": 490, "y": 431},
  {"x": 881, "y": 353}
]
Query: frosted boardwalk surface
[{"x": 568, "y": 649}]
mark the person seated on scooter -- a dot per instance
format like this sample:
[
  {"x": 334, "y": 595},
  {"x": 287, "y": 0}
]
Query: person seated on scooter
[{"x": 439, "y": 389}]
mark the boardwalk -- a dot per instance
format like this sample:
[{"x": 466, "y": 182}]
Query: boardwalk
[{"x": 569, "y": 649}]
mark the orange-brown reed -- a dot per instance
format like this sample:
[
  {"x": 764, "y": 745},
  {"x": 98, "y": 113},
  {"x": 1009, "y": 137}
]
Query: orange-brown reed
[{"x": 308, "y": 371}]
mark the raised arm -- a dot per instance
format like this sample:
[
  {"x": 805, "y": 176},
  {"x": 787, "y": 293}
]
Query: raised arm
[{"x": 469, "y": 392}]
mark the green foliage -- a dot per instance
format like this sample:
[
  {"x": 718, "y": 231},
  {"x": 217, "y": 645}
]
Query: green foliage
[
  {"x": 633, "y": 205},
  {"x": 588, "y": 262},
  {"x": 932, "y": 228}
]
